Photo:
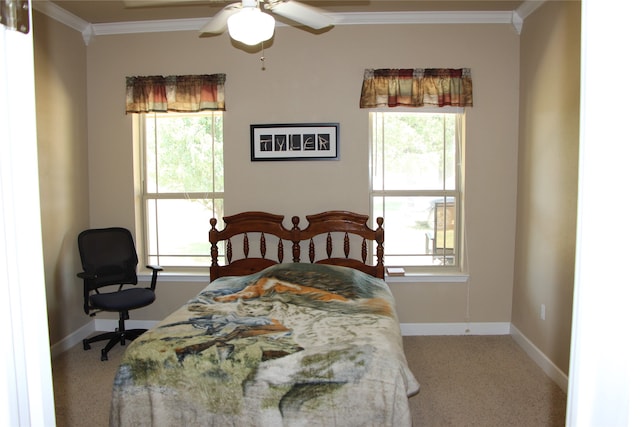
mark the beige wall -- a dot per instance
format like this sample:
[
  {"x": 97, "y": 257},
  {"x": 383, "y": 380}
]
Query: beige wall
[
  {"x": 308, "y": 78},
  {"x": 61, "y": 109},
  {"x": 317, "y": 78},
  {"x": 548, "y": 177}
]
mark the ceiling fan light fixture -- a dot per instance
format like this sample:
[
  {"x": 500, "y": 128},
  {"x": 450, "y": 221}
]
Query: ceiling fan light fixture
[{"x": 251, "y": 26}]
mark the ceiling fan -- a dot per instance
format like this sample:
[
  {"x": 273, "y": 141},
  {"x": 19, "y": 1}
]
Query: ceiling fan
[{"x": 247, "y": 21}]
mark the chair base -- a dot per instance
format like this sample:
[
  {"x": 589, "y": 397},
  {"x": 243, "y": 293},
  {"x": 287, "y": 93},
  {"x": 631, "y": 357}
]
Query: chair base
[{"x": 118, "y": 336}]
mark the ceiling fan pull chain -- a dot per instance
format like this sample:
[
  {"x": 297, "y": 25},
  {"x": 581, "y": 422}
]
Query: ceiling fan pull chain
[{"x": 262, "y": 57}]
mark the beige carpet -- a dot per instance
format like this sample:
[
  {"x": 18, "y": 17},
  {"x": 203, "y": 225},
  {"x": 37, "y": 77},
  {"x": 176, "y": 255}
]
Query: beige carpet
[
  {"x": 480, "y": 381},
  {"x": 465, "y": 381}
]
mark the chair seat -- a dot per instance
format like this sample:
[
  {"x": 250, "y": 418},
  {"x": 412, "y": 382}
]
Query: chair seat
[{"x": 128, "y": 299}]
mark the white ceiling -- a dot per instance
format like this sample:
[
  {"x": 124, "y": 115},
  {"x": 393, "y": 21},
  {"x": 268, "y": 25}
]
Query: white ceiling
[
  {"x": 110, "y": 11},
  {"x": 102, "y": 17}
]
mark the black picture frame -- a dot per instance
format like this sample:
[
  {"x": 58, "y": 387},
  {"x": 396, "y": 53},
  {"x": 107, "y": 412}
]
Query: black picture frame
[{"x": 295, "y": 141}]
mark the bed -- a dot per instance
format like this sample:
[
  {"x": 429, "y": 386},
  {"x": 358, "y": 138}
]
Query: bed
[{"x": 296, "y": 328}]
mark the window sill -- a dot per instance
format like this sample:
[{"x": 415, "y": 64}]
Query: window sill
[
  {"x": 176, "y": 277},
  {"x": 407, "y": 278},
  {"x": 429, "y": 278}
]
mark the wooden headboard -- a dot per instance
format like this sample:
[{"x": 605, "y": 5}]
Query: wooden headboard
[{"x": 256, "y": 240}]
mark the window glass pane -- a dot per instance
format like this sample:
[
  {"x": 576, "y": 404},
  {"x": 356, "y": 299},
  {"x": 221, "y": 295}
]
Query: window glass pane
[
  {"x": 405, "y": 223},
  {"x": 179, "y": 153},
  {"x": 180, "y": 238},
  {"x": 418, "y": 230},
  {"x": 413, "y": 151}
]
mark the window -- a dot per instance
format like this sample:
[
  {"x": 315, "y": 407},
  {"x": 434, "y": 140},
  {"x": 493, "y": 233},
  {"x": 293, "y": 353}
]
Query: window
[
  {"x": 416, "y": 186},
  {"x": 183, "y": 185}
]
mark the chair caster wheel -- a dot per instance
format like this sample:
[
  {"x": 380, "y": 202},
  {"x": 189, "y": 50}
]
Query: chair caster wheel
[
  {"x": 85, "y": 345},
  {"x": 104, "y": 356}
]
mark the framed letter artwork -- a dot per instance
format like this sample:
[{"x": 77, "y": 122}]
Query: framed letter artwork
[{"x": 301, "y": 141}]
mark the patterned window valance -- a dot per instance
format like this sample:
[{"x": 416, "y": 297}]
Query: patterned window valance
[
  {"x": 416, "y": 87},
  {"x": 175, "y": 93}
]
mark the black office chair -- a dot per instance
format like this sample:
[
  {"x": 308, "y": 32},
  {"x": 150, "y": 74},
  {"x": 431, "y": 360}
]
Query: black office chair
[{"x": 109, "y": 258}]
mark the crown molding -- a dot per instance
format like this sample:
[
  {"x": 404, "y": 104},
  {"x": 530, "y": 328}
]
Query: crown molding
[
  {"x": 158, "y": 26},
  {"x": 54, "y": 11},
  {"x": 351, "y": 18},
  {"x": 89, "y": 30},
  {"x": 381, "y": 18},
  {"x": 528, "y": 7},
  {"x": 525, "y": 9}
]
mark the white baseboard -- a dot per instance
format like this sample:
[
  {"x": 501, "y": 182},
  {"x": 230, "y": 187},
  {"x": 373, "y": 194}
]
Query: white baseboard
[
  {"x": 96, "y": 325},
  {"x": 72, "y": 339},
  {"x": 541, "y": 359},
  {"x": 104, "y": 325},
  {"x": 489, "y": 328},
  {"x": 407, "y": 329}
]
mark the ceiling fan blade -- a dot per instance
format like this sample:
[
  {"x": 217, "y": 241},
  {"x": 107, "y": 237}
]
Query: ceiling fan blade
[
  {"x": 306, "y": 15},
  {"x": 218, "y": 23}
]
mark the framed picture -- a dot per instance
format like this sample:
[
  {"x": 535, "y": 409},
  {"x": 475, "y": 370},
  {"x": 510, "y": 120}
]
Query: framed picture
[{"x": 298, "y": 141}]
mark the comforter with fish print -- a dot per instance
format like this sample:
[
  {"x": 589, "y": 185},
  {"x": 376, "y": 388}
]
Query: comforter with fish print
[{"x": 293, "y": 345}]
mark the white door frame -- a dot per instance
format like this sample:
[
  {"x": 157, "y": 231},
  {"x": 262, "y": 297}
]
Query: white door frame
[{"x": 26, "y": 388}]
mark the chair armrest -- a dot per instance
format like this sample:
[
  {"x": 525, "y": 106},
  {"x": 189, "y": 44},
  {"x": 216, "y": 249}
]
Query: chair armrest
[
  {"x": 86, "y": 278},
  {"x": 154, "y": 277}
]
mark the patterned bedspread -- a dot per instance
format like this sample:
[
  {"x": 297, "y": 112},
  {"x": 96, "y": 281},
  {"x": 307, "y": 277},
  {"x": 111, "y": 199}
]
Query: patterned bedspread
[{"x": 292, "y": 345}]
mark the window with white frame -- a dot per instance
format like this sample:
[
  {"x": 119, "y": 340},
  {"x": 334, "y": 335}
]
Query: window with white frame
[
  {"x": 183, "y": 185},
  {"x": 416, "y": 187}
]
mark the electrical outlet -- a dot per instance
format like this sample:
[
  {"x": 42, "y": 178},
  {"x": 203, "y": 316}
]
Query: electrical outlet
[{"x": 543, "y": 311}]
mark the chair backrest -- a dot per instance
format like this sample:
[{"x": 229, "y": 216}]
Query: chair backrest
[{"x": 110, "y": 255}]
